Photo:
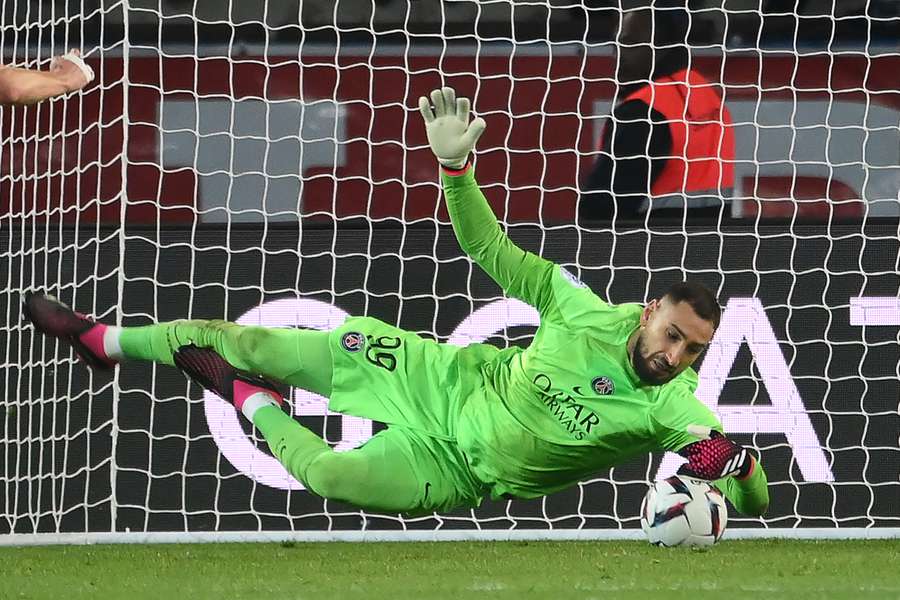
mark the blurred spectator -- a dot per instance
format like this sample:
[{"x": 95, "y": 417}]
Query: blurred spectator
[{"x": 667, "y": 146}]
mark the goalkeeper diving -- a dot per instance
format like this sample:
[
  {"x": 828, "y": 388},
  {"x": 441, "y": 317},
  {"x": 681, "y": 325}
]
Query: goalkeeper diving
[{"x": 599, "y": 383}]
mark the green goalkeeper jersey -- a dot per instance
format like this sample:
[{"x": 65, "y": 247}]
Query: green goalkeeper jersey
[{"x": 570, "y": 404}]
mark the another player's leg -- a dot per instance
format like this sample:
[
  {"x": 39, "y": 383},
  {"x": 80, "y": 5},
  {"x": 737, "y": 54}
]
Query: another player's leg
[
  {"x": 299, "y": 357},
  {"x": 379, "y": 476}
]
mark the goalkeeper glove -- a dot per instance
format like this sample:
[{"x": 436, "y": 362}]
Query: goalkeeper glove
[
  {"x": 450, "y": 134},
  {"x": 714, "y": 456}
]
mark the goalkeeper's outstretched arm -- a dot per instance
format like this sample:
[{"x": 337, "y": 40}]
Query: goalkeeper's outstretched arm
[{"x": 452, "y": 137}]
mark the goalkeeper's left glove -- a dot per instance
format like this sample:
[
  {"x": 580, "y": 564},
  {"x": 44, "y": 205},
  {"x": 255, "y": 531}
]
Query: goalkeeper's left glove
[
  {"x": 450, "y": 134},
  {"x": 714, "y": 456}
]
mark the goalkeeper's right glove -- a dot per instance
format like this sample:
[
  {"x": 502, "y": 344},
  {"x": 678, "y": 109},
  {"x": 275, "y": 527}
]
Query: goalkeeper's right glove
[
  {"x": 450, "y": 134},
  {"x": 715, "y": 456}
]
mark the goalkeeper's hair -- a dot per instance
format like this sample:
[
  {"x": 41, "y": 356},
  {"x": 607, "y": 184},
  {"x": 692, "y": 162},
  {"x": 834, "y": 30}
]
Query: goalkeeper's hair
[{"x": 700, "y": 297}]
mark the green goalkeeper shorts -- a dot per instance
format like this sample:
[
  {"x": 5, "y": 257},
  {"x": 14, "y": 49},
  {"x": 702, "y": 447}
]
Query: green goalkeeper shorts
[{"x": 414, "y": 385}]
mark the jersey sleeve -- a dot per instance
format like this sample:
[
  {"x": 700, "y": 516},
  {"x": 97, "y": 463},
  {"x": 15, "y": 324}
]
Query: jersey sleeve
[
  {"x": 750, "y": 496},
  {"x": 553, "y": 291},
  {"x": 677, "y": 408}
]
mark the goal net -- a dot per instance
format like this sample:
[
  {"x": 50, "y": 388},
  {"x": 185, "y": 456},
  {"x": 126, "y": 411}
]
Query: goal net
[{"x": 267, "y": 165}]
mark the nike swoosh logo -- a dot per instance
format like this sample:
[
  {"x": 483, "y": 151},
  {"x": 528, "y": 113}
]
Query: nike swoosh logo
[{"x": 577, "y": 390}]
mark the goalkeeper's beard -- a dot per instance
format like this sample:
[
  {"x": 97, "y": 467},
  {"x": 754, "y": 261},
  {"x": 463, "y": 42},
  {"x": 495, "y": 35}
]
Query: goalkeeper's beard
[{"x": 642, "y": 367}]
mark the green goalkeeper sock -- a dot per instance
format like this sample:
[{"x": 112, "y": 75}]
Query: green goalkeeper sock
[
  {"x": 159, "y": 342},
  {"x": 299, "y": 357},
  {"x": 152, "y": 342},
  {"x": 293, "y": 445}
]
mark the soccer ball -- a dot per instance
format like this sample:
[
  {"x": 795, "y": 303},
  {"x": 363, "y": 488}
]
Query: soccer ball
[{"x": 683, "y": 512}]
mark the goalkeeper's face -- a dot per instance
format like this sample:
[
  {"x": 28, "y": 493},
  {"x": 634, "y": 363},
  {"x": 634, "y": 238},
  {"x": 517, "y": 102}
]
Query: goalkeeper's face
[{"x": 671, "y": 338}]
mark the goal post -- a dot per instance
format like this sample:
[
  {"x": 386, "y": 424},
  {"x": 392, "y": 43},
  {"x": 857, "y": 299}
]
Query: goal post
[{"x": 271, "y": 169}]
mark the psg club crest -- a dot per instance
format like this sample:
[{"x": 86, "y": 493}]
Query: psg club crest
[
  {"x": 603, "y": 386},
  {"x": 353, "y": 341}
]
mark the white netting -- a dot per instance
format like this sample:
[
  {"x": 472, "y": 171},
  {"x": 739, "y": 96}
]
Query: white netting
[
  {"x": 173, "y": 187},
  {"x": 61, "y": 165}
]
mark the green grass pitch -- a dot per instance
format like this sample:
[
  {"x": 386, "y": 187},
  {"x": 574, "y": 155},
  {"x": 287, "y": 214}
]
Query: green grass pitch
[{"x": 602, "y": 570}]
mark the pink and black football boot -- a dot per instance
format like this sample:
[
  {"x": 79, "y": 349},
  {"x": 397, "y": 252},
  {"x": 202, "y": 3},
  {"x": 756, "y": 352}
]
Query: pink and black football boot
[
  {"x": 206, "y": 368},
  {"x": 53, "y": 318}
]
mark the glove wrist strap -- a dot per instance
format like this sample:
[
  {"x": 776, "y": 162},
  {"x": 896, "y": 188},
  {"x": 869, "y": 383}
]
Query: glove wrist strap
[
  {"x": 456, "y": 171},
  {"x": 749, "y": 468}
]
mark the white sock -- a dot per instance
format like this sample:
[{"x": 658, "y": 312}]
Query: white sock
[
  {"x": 256, "y": 401},
  {"x": 111, "y": 343}
]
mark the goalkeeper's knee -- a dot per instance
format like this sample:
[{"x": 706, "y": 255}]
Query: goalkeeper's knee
[
  {"x": 335, "y": 477},
  {"x": 257, "y": 347},
  {"x": 349, "y": 477}
]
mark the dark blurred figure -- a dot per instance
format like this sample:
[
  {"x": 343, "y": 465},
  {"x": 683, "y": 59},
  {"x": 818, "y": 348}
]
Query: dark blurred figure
[
  {"x": 821, "y": 22},
  {"x": 669, "y": 132}
]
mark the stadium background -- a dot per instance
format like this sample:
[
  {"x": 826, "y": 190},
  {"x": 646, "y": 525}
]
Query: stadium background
[
  {"x": 124, "y": 201},
  {"x": 169, "y": 475},
  {"x": 262, "y": 137}
]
